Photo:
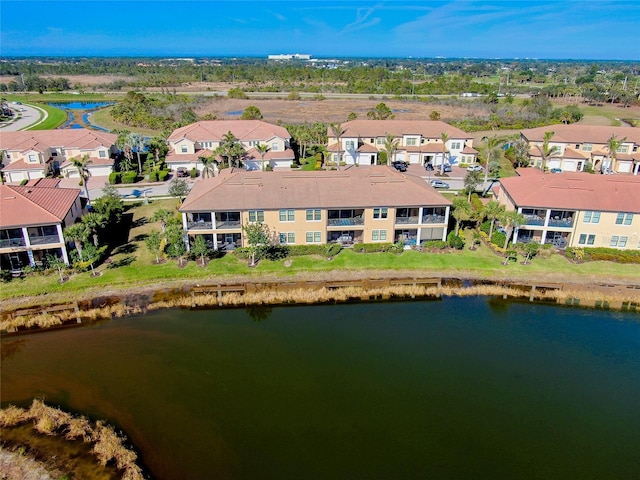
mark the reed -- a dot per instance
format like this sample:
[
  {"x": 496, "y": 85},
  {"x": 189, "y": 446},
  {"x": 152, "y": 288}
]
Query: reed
[{"x": 108, "y": 446}]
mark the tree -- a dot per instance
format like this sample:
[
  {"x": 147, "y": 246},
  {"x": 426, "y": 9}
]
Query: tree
[
  {"x": 434, "y": 115},
  {"x": 175, "y": 240},
  {"x": 137, "y": 143},
  {"x": 109, "y": 205},
  {"x": 78, "y": 233},
  {"x": 546, "y": 151},
  {"x": 200, "y": 249},
  {"x": 518, "y": 153},
  {"x": 257, "y": 235},
  {"x": 55, "y": 262},
  {"x": 352, "y": 116},
  {"x": 230, "y": 148},
  {"x": 493, "y": 211},
  {"x": 380, "y": 112},
  {"x": 94, "y": 222},
  {"x": 153, "y": 243},
  {"x": 251, "y": 113},
  {"x": 530, "y": 250},
  {"x": 82, "y": 165},
  {"x": 338, "y": 131},
  {"x": 162, "y": 215},
  {"x": 262, "y": 150},
  {"x": 461, "y": 212},
  {"x": 471, "y": 182},
  {"x": 511, "y": 220},
  {"x": 208, "y": 166},
  {"x": 613, "y": 144},
  {"x": 179, "y": 188},
  {"x": 390, "y": 146},
  {"x": 493, "y": 147},
  {"x": 445, "y": 138}
]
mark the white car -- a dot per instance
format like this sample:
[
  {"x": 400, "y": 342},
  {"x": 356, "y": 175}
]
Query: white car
[
  {"x": 439, "y": 184},
  {"x": 474, "y": 168}
]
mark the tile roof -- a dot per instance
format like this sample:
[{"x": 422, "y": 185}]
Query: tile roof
[
  {"x": 398, "y": 128},
  {"x": 43, "y": 182},
  {"x": 578, "y": 133},
  {"x": 22, "y": 206},
  {"x": 21, "y": 165},
  {"x": 286, "y": 154},
  {"x": 244, "y": 130},
  {"x": 173, "y": 157},
  {"x": 95, "y": 162},
  {"x": 41, "y": 140},
  {"x": 571, "y": 153},
  {"x": 356, "y": 187},
  {"x": 576, "y": 191},
  {"x": 469, "y": 150}
]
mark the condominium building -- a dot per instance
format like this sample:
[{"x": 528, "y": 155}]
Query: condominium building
[
  {"x": 32, "y": 218},
  {"x": 576, "y": 146},
  {"x": 37, "y": 153},
  {"x": 575, "y": 209},
  {"x": 353, "y": 205},
  {"x": 417, "y": 142},
  {"x": 189, "y": 144}
]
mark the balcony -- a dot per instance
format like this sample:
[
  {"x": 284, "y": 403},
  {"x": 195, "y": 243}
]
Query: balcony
[
  {"x": 345, "y": 218},
  {"x": 534, "y": 220},
  {"x": 433, "y": 218},
  {"x": 44, "y": 239},
  {"x": 561, "y": 222},
  {"x": 228, "y": 220},
  {"x": 12, "y": 242},
  {"x": 199, "y": 225},
  {"x": 407, "y": 220}
]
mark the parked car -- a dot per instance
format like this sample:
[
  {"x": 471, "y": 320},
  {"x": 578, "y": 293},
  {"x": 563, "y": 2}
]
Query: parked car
[
  {"x": 182, "y": 172},
  {"x": 429, "y": 167},
  {"x": 439, "y": 184},
  {"x": 447, "y": 167},
  {"x": 400, "y": 166},
  {"x": 556, "y": 170},
  {"x": 474, "y": 168}
]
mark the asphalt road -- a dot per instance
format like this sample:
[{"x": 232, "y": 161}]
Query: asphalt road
[{"x": 25, "y": 116}]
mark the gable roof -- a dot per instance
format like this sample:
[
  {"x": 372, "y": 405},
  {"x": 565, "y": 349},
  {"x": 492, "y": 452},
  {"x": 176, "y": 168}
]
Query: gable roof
[
  {"x": 349, "y": 188},
  {"x": 575, "y": 191},
  {"x": 214, "y": 130},
  {"x": 398, "y": 128},
  {"x": 578, "y": 133},
  {"x": 22, "y": 206},
  {"x": 41, "y": 140}
]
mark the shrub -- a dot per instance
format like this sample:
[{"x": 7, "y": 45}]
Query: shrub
[
  {"x": 153, "y": 176},
  {"x": 498, "y": 238},
  {"x": 193, "y": 173},
  {"x": 382, "y": 157},
  {"x": 114, "y": 178},
  {"x": 236, "y": 93},
  {"x": 377, "y": 247},
  {"x": 163, "y": 175},
  {"x": 293, "y": 96},
  {"x": 435, "y": 244},
  {"x": 455, "y": 241},
  {"x": 24, "y": 181},
  {"x": 273, "y": 252},
  {"x": 604, "y": 254},
  {"x": 486, "y": 227},
  {"x": 129, "y": 177},
  {"x": 476, "y": 203},
  {"x": 299, "y": 250},
  {"x": 333, "y": 249}
]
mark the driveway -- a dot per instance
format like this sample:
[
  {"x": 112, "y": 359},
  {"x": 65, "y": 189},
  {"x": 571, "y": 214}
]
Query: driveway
[{"x": 24, "y": 116}]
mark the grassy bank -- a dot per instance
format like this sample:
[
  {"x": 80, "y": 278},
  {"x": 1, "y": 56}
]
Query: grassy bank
[
  {"x": 55, "y": 118},
  {"x": 103, "y": 119}
]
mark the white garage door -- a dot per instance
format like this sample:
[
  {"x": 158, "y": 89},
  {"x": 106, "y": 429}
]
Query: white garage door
[{"x": 569, "y": 166}]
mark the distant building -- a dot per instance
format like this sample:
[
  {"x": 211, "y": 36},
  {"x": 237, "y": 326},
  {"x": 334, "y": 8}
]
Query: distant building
[{"x": 290, "y": 56}]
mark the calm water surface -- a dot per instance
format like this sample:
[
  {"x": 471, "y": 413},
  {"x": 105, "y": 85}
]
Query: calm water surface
[{"x": 455, "y": 389}]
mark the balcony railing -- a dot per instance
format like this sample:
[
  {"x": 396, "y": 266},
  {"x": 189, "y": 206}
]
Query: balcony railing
[
  {"x": 433, "y": 218},
  {"x": 43, "y": 239},
  {"x": 534, "y": 220},
  {"x": 345, "y": 222},
  {"x": 199, "y": 225},
  {"x": 12, "y": 242},
  {"x": 407, "y": 220},
  {"x": 561, "y": 222},
  {"x": 228, "y": 224}
]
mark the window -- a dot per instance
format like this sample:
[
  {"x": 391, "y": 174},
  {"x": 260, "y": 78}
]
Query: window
[
  {"x": 591, "y": 217},
  {"x": 274, "y": 147},
  {"x": 587, "y": 147},
  {"x": 314, "y": 215},
  {"x": 380, "y": 213},
  {"x": 33, "y": 158},
  {"x": 183, "y": 149},
  {"x": 287, "y": 237},
  {"x": 102, "y": 154},
  {"x": 371, "y": 140},
  {"x": 624, "y": 219},
  {"x": 256, "y": 215},
  {"x": 287, "y": 215},
  {"x": 349, "y": 144},
  {"x": 622, "y": 149},
  {"x": 577, "y": 146},
  {"x": 254, "y": 143},
  {"x": 380, "y": 141},
  {"x": 313, "y": 237},
  {"x": 586, "y": 239},
  {"x": 455, "y": 145},
  {"x": 623, "y": 242},
  {"x": 614, "y": 241},
  {"x": 412, "y": 142},
  {"x": 378, "y": 235}
]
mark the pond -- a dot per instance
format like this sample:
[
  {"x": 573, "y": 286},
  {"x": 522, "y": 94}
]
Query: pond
[
  {"x": 78, "y": 113},
  {"x": 465, "y": 388}
]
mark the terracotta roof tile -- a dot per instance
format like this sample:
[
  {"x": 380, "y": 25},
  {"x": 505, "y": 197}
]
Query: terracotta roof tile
[
  {"x": 27, "y": 205},
  {"x": 244, "y": 130},
  {"x": 41, "y": 140},
  {"x": 579, "y": 133},
  {"x": 398, "y": 128}
]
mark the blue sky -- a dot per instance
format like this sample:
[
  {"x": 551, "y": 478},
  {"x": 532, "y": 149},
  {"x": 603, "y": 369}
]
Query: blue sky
[{"x": 586, "y": 29}]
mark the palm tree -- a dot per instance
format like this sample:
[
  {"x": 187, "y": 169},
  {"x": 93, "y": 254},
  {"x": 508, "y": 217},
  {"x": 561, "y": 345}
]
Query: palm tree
[
  {"x": 262, "y": 150},
  {"x": 546, "y": 151},
  {"x": 390, "y": 146},
  {"x": 338, "y": 131},
  {"x": 82, "y": 164},
  {"x": 445, "y": 139},
  {"x": 461, "y": 212},
  {"x": 493, "y": 149},
  {"x": 94, "y": 222},
  {"x": 208, "y": 164},
  {"x": 511, "y": 220},
  {"x": 137, "y": 143},
  {"x": 230, "y": 148},
  {"x": 78, "y": 233},
  {"x": 493, "y": 211},
  {"x": 613, "y": 144}
]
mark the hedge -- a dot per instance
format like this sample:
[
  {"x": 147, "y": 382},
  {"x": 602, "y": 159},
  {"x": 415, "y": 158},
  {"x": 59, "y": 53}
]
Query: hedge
[
  {"x": 377, "y": 247},
  {"x": 163, "y": 175},
  {"x": 299, "y": 250},
  {"x": 114, "y": 178},
  {"x": 129, "y": 177},
  {"x": 153, "y": 176},
  {"x": 604, "y": 254}
]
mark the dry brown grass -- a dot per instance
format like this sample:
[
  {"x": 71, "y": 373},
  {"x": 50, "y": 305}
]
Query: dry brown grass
[{"x": 108, "y": 445}]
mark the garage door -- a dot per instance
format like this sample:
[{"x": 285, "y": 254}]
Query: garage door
[
  {"x": 624, "y": 167},
  {"x": 414, "y": 158},
  {"x": 569, "y": 166},
  {"x": 553, "y": 164}
]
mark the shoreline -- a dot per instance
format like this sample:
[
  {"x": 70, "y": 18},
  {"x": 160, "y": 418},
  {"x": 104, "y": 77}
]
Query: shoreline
[{"x": 20, "y": 316}]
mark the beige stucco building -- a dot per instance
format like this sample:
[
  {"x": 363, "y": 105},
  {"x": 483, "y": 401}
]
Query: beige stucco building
[
  {"x": 200, "y": 140},
  {"x": 575, "y": 209},
  {"x": 577, "y": 145},
  {"x": 418, "y": 142},
  {"x": 354, "y": 205},
  {"x": 37, "y": 153}
]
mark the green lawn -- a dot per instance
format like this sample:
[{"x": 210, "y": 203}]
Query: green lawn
[
  {"x": 103, "y": 119},
  {"x": 132, "y": 266},
  {"x": 55, "y": 117}
]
